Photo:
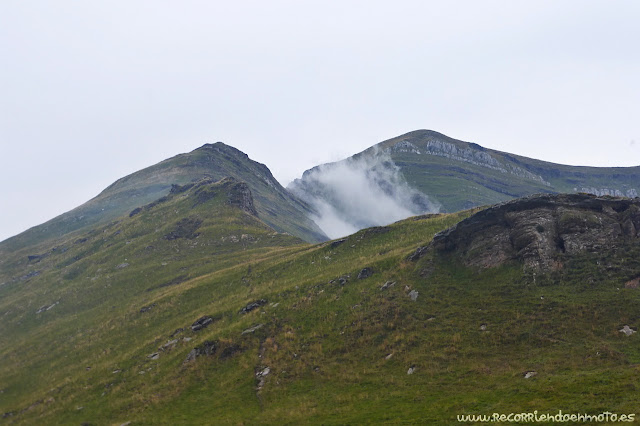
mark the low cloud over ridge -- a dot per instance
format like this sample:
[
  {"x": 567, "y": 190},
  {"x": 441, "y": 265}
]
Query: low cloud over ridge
[{"x": 360, "y": 192}]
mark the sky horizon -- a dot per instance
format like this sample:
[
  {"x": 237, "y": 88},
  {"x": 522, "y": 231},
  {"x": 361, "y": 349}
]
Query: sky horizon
[{"x": 95, "y": 91}]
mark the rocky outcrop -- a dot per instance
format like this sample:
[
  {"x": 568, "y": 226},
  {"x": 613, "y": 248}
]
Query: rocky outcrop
[
  {"x": 240, "y": 196},
  {"x": 631, "y": 193},
  {"x": 472, "y": 154},
  {"x": 207, "y": 348},
  {"x": 185, "y": 228},
  {"x": 539, "y": 229},
  {"x": 365, "y": 273}
]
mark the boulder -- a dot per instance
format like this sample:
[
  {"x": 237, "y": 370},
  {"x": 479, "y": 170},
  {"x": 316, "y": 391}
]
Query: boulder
[
  {"x": 253, "y": 305},
  {"x": 147, "y": 308},
  {"x": 387, "y": 285},
  {"x": 628, "y": 331},
  {"x": 201, "y": 323},
  {"x": 253, "y": 329},
  {"x": 336, "y": 243},
  {"x": 365, "y": 273}
]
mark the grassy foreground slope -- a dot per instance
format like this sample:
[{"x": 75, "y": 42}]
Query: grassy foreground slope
[{"x": 324, "y": 336}]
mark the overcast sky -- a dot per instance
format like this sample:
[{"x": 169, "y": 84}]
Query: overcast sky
[{"x": 91, "y": 91}]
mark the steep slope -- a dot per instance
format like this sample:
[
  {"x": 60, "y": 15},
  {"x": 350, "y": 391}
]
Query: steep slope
[
  {"x": 88, "y": 297},
  {"x": 275, "y": 206},
  {"x": 365, "y": 329},
  {"x": 458, "y": 175}
]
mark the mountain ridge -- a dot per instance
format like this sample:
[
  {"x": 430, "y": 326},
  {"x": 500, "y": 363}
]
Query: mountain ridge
[
  {"x": 276, "y": 205},
  {"x": 458, "y": 175}
]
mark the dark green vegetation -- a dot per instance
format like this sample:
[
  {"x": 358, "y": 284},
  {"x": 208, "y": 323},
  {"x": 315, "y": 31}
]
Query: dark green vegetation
[
  {"x": 461, "y": 175},
  {"x": 298, "y": 333},
  {"x": 276, "y": 206}
]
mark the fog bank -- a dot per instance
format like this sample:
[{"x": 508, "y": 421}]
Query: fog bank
[{"x": 358, "y": 193}]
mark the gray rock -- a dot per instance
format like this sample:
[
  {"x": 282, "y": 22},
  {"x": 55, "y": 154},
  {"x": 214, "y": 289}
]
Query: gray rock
[
  {"x": 530, "y": 374},
  {"x": 207, "y": 348},
  {"x": 253, "y": 305},
  {"x": 413, "y": 295},
  {"x": 29, "y": 275},
  {"x": 260, "y": 375},
  {"x": 147, "y": 308},
  {"x": 411, "y": 370},
  {"x": 263, "y": 372},
  {"x": 387, "y": 285},
  {"x": 365, "y": 273},
  {"x": 416, "y": 255},
  {"x": 201, "y": 323},
  {"x": 627, "y": 330},
  {"x": 47, "y": 307},
  {"x": 122, "y": 265},
  {"x": 336, "y": 243},
  {"x": 169, "y": 344},
  {"x": 253, "y": 329},
  {"x": 154, "y": 356}
]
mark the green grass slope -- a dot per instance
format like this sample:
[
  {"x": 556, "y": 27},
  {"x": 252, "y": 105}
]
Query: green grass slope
[
  {"x": 276, "y": 206},
  {"x": 306, "y": 334}
]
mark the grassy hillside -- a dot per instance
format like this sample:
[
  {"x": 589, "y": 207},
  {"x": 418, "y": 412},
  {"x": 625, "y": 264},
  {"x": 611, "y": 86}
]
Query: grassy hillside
[
  {"x": 299, "y": 333},
  {"x": 276, "y": 206}
]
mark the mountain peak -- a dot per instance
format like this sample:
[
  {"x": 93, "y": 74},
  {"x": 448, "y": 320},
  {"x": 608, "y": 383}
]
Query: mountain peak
[{"x": 222, "y": 148}]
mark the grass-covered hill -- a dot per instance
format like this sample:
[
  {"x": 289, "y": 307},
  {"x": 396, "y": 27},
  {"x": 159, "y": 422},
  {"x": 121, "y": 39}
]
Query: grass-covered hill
[
  {"x": 193, "y": 311},
  {"x": 275, "y": 205},
  {"x": 460, "y": 175}
]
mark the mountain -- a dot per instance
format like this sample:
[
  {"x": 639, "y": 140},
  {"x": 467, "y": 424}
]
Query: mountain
[
  {"x": 425, "y": 171},
  {"x": 193, "y": 310},
  {"x": 275, "y": 205}
]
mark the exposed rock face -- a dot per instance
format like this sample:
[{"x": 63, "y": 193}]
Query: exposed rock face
[
  {"x": 538, "y": 228},
  {"x": 240, "y": 196},
  {"x": 631, "y": 193},
  {"x": 207, "y": 348},
  {"x": 473, "y": 154},
  {"x": 185, "y": 228}
]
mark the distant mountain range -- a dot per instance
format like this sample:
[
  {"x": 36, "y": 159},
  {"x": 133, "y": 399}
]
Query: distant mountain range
[{"x": 419, "y": 172}]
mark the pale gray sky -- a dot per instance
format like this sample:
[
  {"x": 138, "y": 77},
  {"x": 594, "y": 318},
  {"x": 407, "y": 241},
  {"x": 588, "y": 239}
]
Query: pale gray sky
[{"x": 93, "y": 90}]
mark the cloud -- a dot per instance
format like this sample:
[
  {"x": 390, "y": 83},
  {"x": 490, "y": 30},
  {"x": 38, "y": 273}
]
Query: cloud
[{"x": 359, "y": 192}]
